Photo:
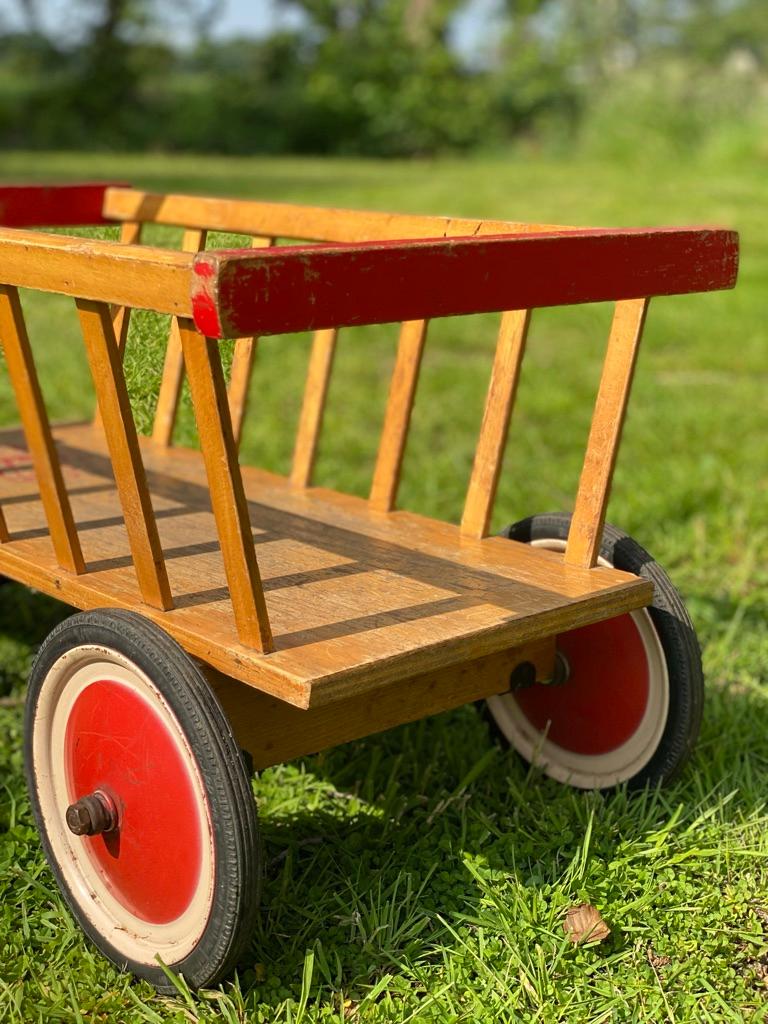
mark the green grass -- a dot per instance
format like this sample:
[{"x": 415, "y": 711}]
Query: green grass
[{"x": 423, "y": 874}]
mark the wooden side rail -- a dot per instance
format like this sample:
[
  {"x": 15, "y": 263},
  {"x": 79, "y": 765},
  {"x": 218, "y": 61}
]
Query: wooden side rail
[
  {"x": 36, "y": 206},
  {"x": 125, "y": 275},
  {"x": 286, "y": 220},
  {"x": 302, "y": 288}
]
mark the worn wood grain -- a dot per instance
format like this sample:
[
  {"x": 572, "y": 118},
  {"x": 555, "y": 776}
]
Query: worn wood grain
[
  {"x": 209, "y": 397},
  {"x": 273, "y": 731},
  {"x": 313, "y": 407},
  {"x": 605, "y": 433},
  {"x": 300, "y": 288},
  {"x": 357, "y": 599},
  {"x": 287, "y": 220},
  {"x": 124, "y": 275},
  {"x": 34, "y": 418},
  {"x": 122, "y": 440},
  {"x": 397, "y": 415},
  {"x": 491, "y": 443}
]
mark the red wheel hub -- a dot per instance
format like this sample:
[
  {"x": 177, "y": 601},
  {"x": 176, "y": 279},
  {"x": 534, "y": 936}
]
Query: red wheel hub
[
  {"x": 602, "y": 703},
  {"x": 117, "y": 742}
]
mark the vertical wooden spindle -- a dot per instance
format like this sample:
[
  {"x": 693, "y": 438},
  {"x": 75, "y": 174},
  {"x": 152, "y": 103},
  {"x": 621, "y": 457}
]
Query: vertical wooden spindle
[
  {"x": 605, "y": 433},
  {"x": 130, "y": 234},
  {"x": 486, "y": 469},
  {"x": 397, "y": 418},
  {"x": 122, "y": 440},
  {"x": 173, "y": 367},
  {"x": 37, "y": 430},
  {"x": 313, "y": 406}
]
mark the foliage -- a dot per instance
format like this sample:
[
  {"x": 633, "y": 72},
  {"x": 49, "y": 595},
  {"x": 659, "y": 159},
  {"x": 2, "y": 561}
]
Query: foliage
[{"x": 379, "y": 77}]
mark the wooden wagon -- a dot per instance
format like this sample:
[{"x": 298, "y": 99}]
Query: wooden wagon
[{"x": 225, "y": 609}]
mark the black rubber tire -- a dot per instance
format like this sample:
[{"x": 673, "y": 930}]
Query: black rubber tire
[
  {"x": 674, "y": 629},
  {"x": 237, "y": 855}
]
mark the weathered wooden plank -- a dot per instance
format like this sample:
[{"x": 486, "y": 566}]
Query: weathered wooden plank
[
  {"x": 30, "y": 206},
  {"x": 34, "y": 419},
  {"x": 209, "y": 397},
  {"x": 489, "y": 452},
  {"x": 273, "y": 731},
  {"x": 313, "y": 407},
  {"x": 120, "y": 431},
  {"x": 287, "y": 220},
  {"x": 357, "y": 600},
  {"x": 397, "y": 416},
  {"x": 173, "y": 367},
  {"x": 299, "y": 288},
  {"x": 605, "y": 433},
  {"x": 125, "y": 275}
]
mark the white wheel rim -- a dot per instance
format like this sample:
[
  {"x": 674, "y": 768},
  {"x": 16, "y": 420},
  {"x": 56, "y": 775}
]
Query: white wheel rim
[
  {"x": 594, "y": 771},
  {"x": 133, "y": 937}
]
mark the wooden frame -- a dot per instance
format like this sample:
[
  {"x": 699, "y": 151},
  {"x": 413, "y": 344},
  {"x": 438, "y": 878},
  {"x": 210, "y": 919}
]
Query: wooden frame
[
  {"x": 361, "y": 615},
  {"x": 304, "y": 288}
]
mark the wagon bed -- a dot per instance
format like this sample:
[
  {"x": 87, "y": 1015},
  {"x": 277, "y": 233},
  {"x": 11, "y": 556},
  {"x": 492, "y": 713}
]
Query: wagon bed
[{"x": 356, "y": 598}]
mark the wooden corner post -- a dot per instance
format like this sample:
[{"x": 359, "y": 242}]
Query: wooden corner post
[{"x": 214, "y": 425}]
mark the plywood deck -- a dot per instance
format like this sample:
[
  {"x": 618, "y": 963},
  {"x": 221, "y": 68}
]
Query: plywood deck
[{"x": 357, "y": 598}]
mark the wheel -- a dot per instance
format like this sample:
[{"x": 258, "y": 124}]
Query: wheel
[
  {"x": 142, "y": 799},
  {"x": 625, "y": 704}
]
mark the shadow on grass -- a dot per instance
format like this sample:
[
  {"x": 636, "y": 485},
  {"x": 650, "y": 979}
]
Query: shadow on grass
[
  {"x": 412, "y": 853},
  {"x": 378, "y": 854}
]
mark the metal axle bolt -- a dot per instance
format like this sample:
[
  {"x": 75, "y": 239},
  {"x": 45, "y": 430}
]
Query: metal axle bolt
[{"x": 92, "y": 814}]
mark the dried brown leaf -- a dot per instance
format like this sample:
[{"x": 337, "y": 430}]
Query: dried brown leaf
[
  {"x": 655, "y": 960},
  {"x": 758, "y": 967},
  {"x": 585, "y": 924}
]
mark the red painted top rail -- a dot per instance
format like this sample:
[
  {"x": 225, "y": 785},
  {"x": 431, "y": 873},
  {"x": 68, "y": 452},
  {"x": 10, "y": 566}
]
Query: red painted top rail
[
  {"x": 239, "y": 292},
  {"x": 37, "y": 206}
]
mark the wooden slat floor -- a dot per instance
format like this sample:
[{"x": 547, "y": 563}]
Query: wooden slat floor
[{"x": 356, "y": 598}]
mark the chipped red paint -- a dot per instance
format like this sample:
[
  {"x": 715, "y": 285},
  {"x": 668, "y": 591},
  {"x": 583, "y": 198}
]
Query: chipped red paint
[
  {"x": 32, "y": 206},
  {"x": 278, "y": 290},
  {"x": 204, "y": 300}
]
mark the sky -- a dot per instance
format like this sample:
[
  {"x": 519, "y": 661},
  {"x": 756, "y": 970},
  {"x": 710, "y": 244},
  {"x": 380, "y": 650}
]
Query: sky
[{"x": 259, "y": 17}]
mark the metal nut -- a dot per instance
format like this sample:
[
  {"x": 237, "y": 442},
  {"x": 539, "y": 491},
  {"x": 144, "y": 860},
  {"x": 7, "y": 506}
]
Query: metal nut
[{"x": 92, "y": 814}]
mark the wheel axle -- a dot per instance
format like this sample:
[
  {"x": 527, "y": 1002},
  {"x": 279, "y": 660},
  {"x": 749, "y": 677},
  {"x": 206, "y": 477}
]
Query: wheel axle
[{"x": 93, "y": 814}]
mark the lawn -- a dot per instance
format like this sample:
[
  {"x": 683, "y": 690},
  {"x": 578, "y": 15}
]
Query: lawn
[{"x": 423, "y": 874}]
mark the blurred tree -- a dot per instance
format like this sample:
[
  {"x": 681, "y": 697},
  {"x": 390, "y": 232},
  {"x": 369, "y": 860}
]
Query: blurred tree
[{"x": 372, "y": 76}]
